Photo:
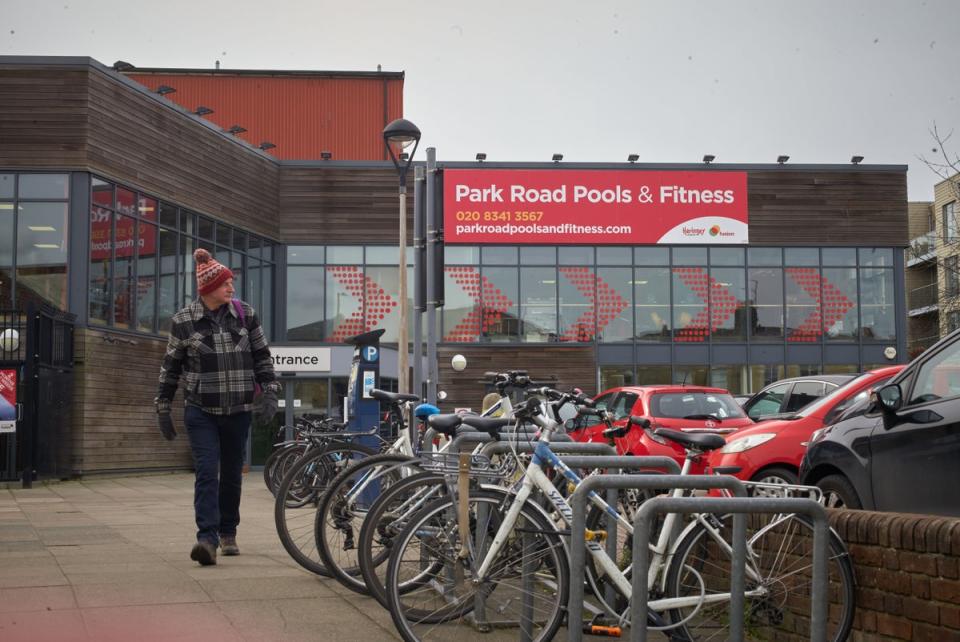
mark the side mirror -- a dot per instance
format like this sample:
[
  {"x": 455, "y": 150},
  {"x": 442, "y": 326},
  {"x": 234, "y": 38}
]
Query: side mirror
[{"x": 890, "y": 397}]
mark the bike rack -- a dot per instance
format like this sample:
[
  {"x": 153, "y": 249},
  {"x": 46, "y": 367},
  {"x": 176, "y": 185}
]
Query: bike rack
[
  {"x": 481, "y": 437},
  {"x": 578, "y": 503},
  {"x": 573, "y": 447},
  {"x": 740, "y": 507}
]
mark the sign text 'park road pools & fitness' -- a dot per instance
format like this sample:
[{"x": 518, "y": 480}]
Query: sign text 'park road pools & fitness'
[{"x": 594, "y": 207}]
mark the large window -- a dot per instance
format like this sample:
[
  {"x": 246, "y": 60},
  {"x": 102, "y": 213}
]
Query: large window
[
  {"x": 950, "y": 230},
  {"x": 33, "y": 239},
  {"x": 141, "y": 260},
  {"x": 647, "y": 294}
]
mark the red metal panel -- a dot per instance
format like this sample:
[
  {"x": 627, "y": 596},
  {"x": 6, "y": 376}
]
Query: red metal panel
[{"x": 301, "y": 115}]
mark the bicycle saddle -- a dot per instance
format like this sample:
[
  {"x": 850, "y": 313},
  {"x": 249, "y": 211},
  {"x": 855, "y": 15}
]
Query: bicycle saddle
[
  {"x": 695, "y": 441},
  {"x": 392, "y": 397},
  {"x": 491, "y": 425},
  {"x": 425, "y": 410},
  {"x": 445, "y": 424}
]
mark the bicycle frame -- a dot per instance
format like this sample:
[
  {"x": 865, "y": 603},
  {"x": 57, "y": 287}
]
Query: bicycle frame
[{"x": 661, "y": 552}]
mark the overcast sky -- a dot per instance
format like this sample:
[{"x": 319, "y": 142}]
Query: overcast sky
[{"x": 819, "y": 80}]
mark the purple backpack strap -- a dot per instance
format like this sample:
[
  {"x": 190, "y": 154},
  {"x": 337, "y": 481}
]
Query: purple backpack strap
[{"x": 238, "y": 306}]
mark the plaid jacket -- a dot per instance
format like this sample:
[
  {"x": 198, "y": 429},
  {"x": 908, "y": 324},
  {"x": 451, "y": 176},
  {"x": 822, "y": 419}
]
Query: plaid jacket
[{"x": 218, "y": 363}]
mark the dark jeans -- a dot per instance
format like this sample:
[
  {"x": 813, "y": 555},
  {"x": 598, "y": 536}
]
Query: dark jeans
[{"x": 218, "y": 443}]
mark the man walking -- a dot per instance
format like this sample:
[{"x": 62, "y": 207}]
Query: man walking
[{"x": 217, "y": 346}]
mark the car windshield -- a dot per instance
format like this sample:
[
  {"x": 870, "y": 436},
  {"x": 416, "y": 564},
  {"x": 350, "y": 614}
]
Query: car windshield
[
  {"x": 694, "y": 405},
  {"x": 832, "y": 397}
]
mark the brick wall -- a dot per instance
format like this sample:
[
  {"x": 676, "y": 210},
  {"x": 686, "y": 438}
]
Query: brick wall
[{"x": 907, "y": 572}]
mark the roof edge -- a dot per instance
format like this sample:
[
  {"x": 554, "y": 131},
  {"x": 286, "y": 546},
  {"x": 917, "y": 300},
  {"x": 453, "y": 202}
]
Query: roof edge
[{"x": 264, "y": 72}]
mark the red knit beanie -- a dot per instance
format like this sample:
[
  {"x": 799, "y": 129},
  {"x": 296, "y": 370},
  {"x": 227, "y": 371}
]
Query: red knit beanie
[{"x": 210, "y": 273}]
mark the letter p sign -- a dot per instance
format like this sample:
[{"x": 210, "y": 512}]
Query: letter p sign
[{"x": 370, "y": 354}]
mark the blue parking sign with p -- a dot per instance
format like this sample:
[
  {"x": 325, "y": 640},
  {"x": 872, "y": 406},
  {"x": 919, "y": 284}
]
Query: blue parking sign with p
[{"x": 370, "y": 353}]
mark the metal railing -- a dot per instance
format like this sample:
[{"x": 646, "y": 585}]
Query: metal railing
[
  {"x": 923, "y": 297},
  {"x": 921, "y": 249}
]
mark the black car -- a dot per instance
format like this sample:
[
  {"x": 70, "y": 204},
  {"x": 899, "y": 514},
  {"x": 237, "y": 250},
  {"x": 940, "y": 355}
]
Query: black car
[
  {"x": 790, "y": 395},
  {"x": 900, "y": 450}
]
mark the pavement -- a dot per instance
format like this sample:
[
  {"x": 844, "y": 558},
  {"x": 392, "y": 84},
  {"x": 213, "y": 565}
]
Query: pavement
[{"x": 108, "y": 559}]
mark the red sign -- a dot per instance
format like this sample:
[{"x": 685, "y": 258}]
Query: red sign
[
  {"x": 594, "y": 207},
  {"x": 8, "y": 400},
  {"x": 126, "y": 238}
]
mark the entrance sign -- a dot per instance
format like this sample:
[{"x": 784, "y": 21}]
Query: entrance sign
[
  {"x": 594, "y": 207},
  {"x": 300, "y": 359},
  {"x": 8, "y": 400}
]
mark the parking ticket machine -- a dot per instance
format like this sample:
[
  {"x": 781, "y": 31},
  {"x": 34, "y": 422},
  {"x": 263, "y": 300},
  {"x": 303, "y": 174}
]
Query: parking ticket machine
[{"x": 362, "y": 412}]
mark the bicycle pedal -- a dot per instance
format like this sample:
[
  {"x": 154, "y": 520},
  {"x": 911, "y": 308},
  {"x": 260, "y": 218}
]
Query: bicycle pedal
[{"x": 598, "y": 629}]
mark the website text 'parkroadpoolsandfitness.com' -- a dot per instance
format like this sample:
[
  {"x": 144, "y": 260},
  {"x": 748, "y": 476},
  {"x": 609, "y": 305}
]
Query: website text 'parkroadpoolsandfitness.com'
[{"x": 529, "y": 225}]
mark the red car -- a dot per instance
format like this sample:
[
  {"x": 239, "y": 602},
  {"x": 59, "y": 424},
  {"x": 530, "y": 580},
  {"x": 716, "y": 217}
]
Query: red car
[
  {"x": 666, "y": 406},
  {"x": 771, "y": 451}
]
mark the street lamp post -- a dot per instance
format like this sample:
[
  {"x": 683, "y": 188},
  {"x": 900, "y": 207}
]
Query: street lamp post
[{"x": 397, "y": 136}]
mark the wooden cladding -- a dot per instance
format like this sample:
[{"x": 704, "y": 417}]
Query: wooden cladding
[
  {"x": 342, "y": 205},
  {"x": 828, "y": 208},
  {"x": 43, "y": 117},
  {"x": 136, "y": 139},
  {"x": 561, "y": 367},
  {"x": 114, "y": 421},
  {"x": 81, "y": 116}
]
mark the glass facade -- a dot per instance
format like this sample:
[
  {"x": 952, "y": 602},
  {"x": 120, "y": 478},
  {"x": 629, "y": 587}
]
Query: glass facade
[
  {"x": 141, "y": 260},
  {"x": 34, "y": 222},
  {"x": 542, "y": 295},
  {"x": 338, "y": 291}
]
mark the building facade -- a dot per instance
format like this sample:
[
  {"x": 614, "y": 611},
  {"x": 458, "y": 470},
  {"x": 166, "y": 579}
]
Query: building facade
[{"x": 108, "y": 188}]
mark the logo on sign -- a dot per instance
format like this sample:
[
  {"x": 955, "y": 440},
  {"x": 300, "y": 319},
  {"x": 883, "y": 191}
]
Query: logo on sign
[{"x": 370, "y": 353}]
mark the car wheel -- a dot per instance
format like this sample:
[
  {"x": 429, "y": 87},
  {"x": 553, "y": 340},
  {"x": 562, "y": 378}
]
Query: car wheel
[
  {"x": 838, "y": 492},
  {"x": 776, "y": 476}
]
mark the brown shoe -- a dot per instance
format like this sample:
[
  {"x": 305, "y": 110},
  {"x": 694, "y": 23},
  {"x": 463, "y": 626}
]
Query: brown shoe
[
  {"x": 205, "y": 553},
  {"x": 228, "y": 543}
]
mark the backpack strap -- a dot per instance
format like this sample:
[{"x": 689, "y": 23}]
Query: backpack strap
[{"x": 238, "y": 306}]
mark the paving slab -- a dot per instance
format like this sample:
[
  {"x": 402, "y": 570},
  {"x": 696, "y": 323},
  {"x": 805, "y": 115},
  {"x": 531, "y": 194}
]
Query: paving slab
[{"x": 108, "y": 559}]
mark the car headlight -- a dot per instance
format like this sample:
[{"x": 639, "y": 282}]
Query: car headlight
[
  {"x": 746, "y": 443},
  {"x": 817, "y": 435}
]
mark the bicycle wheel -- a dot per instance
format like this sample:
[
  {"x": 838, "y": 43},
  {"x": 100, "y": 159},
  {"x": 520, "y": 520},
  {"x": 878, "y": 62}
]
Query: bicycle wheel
[
  {"x": 279, "y": 462},
  {"x": 298, "y": 495},
  {"x": 779, "y": 564},
  {"x": 431, "y": 589},
  {"x": 343, "y": 507},
  {"x": 387, "y": 517}
]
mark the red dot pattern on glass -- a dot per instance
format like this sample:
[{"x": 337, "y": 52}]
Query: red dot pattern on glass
[
  {"x": 709, "y": 318},
  {"x": 606, "y": 304},
  {"x": 362, "y": 289},
  {"x": 831, "y": 305}
]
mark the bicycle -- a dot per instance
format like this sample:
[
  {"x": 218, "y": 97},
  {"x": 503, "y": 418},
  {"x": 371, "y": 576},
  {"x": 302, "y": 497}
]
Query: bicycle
[{"x": 441, "y": 573}]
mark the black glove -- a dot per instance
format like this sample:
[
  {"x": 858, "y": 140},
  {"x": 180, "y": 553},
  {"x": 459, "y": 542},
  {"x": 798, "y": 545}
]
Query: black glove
[
  {"x": 166, "y": 425},
  {"x": 268, "y": 405}
]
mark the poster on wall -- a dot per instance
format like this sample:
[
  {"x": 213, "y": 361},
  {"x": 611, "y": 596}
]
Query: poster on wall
[
  {"x": 594, "y": 207},
  {"x": 8, "y": 400}
]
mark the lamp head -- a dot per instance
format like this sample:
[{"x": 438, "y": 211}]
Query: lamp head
[{"x": 398, "y": 136}]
